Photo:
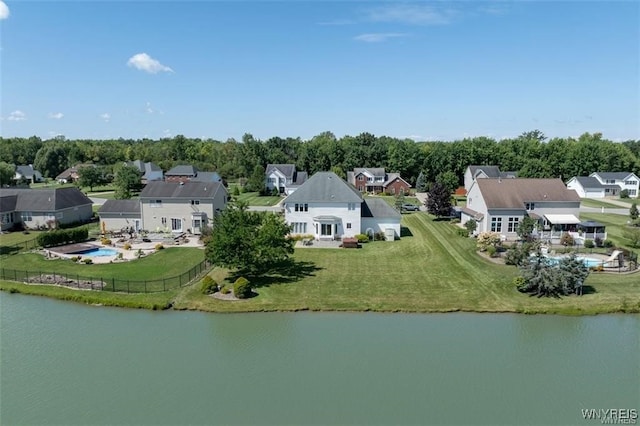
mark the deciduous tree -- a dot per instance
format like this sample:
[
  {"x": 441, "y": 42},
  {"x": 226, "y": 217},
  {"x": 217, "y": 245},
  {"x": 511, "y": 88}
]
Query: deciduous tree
[{"x": 438, "y": 200}]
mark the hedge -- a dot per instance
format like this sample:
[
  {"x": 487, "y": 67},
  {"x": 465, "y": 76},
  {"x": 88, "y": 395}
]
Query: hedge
[{"x": 62, "y": 236}]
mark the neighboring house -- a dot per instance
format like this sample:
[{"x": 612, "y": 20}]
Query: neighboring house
[
  {"x": 71, "y": 174},
  {"x": 185, "y": 173},
  {"x": 498, "y": 205},
  {"x": 284, "y": 177},
  {"x": 148, "y": 171},
  {"x": 590, "y": 187},
  {"x": 329, "y": 208},
  {"x": 43, "y": 208},
  {"x": 120, "y": 214},
  {"x": 377, "y": 180},
  {"x": 483, "y": 172},
  {"x": 27, "y": 173},
  {"x": 167, "y": 206},
  {"x": 623, "y": 180}
]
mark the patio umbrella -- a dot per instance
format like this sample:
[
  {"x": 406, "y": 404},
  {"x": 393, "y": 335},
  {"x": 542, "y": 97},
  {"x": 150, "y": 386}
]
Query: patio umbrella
[{"x": 104, "y": 227}]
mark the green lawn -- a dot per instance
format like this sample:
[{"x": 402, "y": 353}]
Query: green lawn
[
  {"x": 13, "y": 238},
  {"x": 589, "y": 202},
  {"x": 614, "y": 225},
  {"x": 255, "y": 199},
  {"x": 433, "y": 270}
]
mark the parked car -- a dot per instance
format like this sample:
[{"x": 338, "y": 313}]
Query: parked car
[{"x": 410, "y": 207}]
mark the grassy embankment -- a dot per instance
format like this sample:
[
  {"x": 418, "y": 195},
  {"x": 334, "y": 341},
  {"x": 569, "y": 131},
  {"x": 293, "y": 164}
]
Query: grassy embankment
[
  {"x": 590, "y": 202},
  {"x": 432, "y": 270}
]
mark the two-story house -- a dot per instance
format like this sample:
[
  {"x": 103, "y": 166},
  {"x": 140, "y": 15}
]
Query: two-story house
[
  {"x": 376, "y": 180},
  {"x": 329, "y": 208},
  {"x": 186, "y": 173},
  {"x": 484, "y": 172},
  {"x": 498, "y": 205},
  {"x": 72, "y": 173},
  {"x": 27, "y": 173},
  {"x": 590, "y": 187},
  {"x": 148, "y": 171},
  {"x": 167, "y": 207},
  {"x": 623, "y": 180},
  {"x": 284, "y": 177},
  {"x": 43, "y": 208}
]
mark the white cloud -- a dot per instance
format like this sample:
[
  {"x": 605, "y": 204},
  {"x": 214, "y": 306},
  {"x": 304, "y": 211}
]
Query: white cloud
[
  {"x": 377, "y": 37},
  {"x": 148, "y": 108},
  {"x": 106, "y": 117},
  {"x": 413, "y": 14},
  {"x": 17, "y": 115},
  {"x": 146, "y": 63},
  {"x": 4, "y": 10},
  {"x": 56, "y": 115}
]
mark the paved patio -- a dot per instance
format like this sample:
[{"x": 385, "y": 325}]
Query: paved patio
[{"x": 318, "y": 244}]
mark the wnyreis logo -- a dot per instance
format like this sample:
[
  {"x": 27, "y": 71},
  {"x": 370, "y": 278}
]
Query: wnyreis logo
[{"x": 611, "y": 416}]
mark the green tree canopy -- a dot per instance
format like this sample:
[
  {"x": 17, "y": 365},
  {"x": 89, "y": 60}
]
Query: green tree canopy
[
  {"x": 91, "y": 176},
  {"x": 126, "y": 180},
  {"x": 250, "y": 242},
  {"x": 7, "y": 173},
  {"x": 439, "y": 200}
]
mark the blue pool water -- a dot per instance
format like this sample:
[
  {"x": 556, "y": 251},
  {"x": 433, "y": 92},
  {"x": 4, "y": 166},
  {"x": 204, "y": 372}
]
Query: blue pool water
[
  {"x": 95, "y": 252},
  {"x": 588, "y": 261}
]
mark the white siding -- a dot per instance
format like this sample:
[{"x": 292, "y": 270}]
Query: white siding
[
  {"x": 476, "y": 202},
  {"x": 340, "y": 210},
  {"x": 381, "y": 225}
]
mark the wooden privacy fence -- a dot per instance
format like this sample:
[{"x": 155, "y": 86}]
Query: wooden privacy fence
[{"x": 106, "y": 284}]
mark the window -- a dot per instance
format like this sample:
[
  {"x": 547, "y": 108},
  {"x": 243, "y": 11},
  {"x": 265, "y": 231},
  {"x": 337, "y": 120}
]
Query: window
[
  {"x": 630, "y": 182},
  {"x": 348, "y": 226},
  {"x": 610, "y": 181},
  {"x": 164, "y": 221},
  {"x": 302, "y": 207},
  {"x": 360, "y": 178},
  {"x": 369, "y": 179},
  {"x": 351, "y": 206},
  {"x": 26, "y": 216},
  {"x": 632, "y": 192},
  {"x": 513, "y": 224},
  {"x": 272, "y": 180},
  {"x": 196, "y": 223},
  {"x": 299, "y": 227},
  {"x": 155, "y": 203},
  {"x": 361, "y": 188},
  {"x": 529, "y": 206},
  {"x": 195, "y": 202},
  {"x": 176, "y": 224},
  {"x": 496, "y": 224},
  {"x": 325, "y": 229}
]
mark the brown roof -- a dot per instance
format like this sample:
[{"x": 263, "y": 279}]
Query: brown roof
[{"x": 513, "y": 193}]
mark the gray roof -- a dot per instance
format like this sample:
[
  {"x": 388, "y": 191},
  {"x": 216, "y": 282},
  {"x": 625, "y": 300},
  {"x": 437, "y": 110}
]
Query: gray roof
[
  {"x": 288, "y": 170},
  {"x": 301, "y": 177},
  {"x": 376, "y": 207},
  {"x": 182, "y": 170},
  {"x": 8, "y": 203},
  {"x": 325, "y": 187},
  {"x": 591, "y": 182},
  {"x": 46, "y": 200},
  {"x": 207, "y": 177},
  {"x": 375, "y": 171},
  {"x": 73, "y": 169},
  {"x": 27, "y": 171},
  {"x": 144, "y": 168},
  {"x": 160, "y": 189},
  {"x": 120, "y": 206},
  {"x": 490, "y": 171},
  {"x": 612, "y": 175},
  {"x": 514, "y": 193}
]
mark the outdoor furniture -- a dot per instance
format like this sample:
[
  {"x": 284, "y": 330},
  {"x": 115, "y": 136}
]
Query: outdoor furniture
[{"x": 307, "y": 241}]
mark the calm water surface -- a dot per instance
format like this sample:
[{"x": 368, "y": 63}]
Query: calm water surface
[{"x": 63, "y": 363}]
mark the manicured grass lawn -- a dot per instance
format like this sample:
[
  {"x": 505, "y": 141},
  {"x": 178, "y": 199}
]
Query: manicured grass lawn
[
  {"x": 255, "y": 199},
  {"x": 614, "y": 223},
  {"x": 432, "y": 270},
  {"x": 589, "y": 202},
  {"x": 391, "y": 200},
  {"x": 435, "y": 270},
  {"x": 13, "y": 238},
  {"x": 165, "y": 263}
]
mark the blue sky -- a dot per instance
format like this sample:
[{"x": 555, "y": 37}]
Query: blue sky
[{"x": 219, "y": 69}]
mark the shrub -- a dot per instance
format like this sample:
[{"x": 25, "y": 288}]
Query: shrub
[
  {"x": 119, "y": 255},
  {"x": 607, "y": 244},
  {"x": 159, "y": 246},
  {"x": 588, "y": 243},
  {"x": 487, "y": 239},
  {"x": 275, "y": 192},
  {"x": 242, "y": 288},
  {"x": 566, "y": 239},
  {"x": 492, "y": 251},
  {"x": 519, "y": 282},
  {"x": 127, "y": 246},
  {"x": 624, "y": 193},
  {"x": 225, "y": 290},
  {"x": 362, "y": 238},
  {"x": 74, "y": 258},
  {"x": 598, "y": 242},
  {"x": 471, "y": 226},
  {"x": 236, "y": 191},
  {"x": 379, "y": 236},
  {"x": 87, "y": 261},
  {"x": 105, "y": 241},
  {"x": 209, "y": 285},
  {"x": 62, "y": 236},
  {"x": 463, "y": 232},
  {"x": 517, "y": 255}
]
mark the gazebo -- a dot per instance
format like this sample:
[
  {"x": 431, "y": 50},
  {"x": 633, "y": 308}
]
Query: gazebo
[{"x": 591, "y": 229}]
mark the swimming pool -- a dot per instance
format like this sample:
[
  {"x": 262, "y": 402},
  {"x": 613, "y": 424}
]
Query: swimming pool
[
  {"x": 588, "y": 261},
  {"x": 96, "y": 252}
]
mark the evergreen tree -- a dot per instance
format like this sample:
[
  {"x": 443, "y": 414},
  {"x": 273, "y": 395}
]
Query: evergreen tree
[
  {"x": 421, "y": 183},
  {"x": 633, "y": 211}
]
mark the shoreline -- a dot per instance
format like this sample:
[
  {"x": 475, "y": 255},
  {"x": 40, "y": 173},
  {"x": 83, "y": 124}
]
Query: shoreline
[{"x": 169, "y": 301}]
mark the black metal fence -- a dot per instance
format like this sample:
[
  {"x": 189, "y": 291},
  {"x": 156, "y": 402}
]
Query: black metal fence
[
  {"x": 106, "y": 284},
  {"x": 20, "y": 247}
]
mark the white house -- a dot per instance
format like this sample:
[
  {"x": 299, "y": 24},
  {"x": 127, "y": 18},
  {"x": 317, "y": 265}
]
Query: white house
[
  {"x": 498, "y": 205},
  {"x": 590, "y": 187},
  {"x": 623, "y": 180},
  {"x": 284, "y": 177},
  {"x": 327, "y": 207},
  {"x": 484, "y": 172},
  {"x": 27, "y": 173},
  {"x": 167, "y": 207}
]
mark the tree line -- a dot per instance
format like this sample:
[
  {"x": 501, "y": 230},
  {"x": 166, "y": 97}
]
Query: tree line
[{"x": 531, "y": 154}]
